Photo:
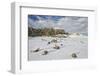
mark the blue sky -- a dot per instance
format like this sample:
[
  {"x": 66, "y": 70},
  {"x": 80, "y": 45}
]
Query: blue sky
[
  {"x": 35, "y": 17},
  {"x": 68, "y": 23}
]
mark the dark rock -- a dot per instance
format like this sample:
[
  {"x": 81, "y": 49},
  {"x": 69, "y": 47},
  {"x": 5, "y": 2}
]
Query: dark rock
[
  {"x": 45, "y": 53},
  {"x": 56, "y": 47},
  {"x": 48, "y": 42},
  {"x": 74, "y": 55},
  {"x": 61, "y": 44},
  {"x": 37, "y": 50}
]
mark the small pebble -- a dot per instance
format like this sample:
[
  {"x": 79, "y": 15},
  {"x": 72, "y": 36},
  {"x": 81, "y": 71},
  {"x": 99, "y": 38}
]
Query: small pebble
[
  {"x": 61, "y": 44},
  {"x": 37, "y": 50},
  {"x": 56, "y": 47},
  {"x": 45, "y": 53},
  {"x": 48, "y": 42},
  {"x": 74, "y": 55}
]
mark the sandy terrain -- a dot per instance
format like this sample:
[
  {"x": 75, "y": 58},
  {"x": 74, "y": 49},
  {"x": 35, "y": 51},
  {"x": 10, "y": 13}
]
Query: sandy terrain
[{"x": 68, "y": 46}]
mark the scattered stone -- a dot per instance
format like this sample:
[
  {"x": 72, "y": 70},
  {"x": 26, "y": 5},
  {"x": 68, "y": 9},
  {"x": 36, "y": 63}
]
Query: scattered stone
[
  {"x": 61, "y": 44},
  {"x": 56, "y": 47},
  {"x": 48, "y": 42},
  {"x": 45, "y": 53},
  {"x": 37, "y": 50},
  {"x": 74, "y": 55},
  {"x": 54, "y": 40}
]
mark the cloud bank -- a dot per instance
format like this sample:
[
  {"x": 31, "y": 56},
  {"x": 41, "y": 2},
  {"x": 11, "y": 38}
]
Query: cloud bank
[{"x": 68, "y": 23}]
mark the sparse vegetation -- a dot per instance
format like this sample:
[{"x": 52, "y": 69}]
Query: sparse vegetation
[{"x": 44, "y": 32}]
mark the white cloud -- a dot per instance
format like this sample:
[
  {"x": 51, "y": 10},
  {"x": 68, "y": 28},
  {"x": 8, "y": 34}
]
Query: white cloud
[{"x": 70, "y": 24}]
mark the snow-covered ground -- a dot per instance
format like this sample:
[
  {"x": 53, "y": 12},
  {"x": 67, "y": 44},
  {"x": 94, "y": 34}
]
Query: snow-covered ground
[{"x": 68, "y": 45}]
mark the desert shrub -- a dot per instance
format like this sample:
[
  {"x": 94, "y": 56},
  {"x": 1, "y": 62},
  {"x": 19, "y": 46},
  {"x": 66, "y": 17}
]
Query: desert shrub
[{"x": 44, "y": 32}]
